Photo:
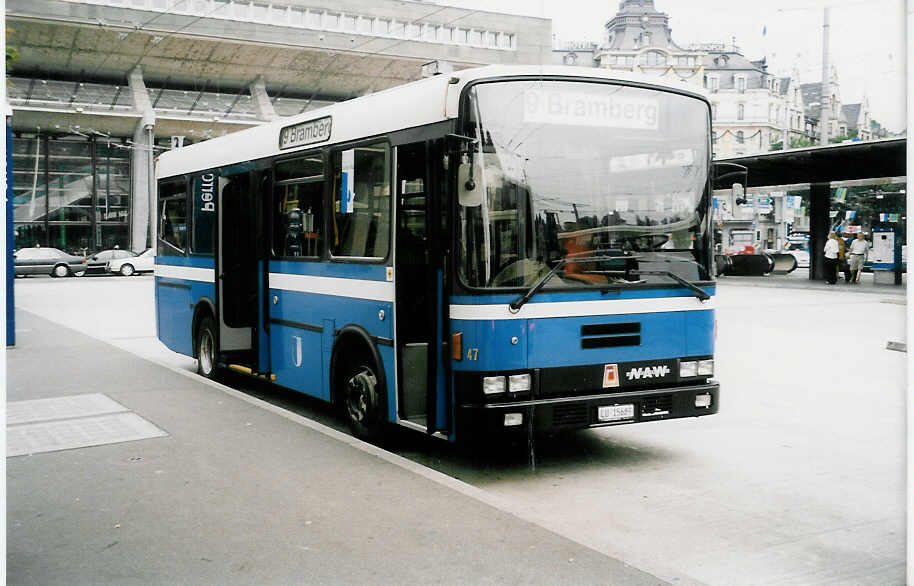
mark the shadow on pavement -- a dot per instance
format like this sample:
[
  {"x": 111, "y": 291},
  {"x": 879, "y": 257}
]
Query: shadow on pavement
[{"x": 491, "y": 460}]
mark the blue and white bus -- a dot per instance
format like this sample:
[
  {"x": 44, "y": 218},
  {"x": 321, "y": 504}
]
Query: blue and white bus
[{"x": 506, "y": 248}]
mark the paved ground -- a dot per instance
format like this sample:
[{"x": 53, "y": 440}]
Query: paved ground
[
  {"x": 237, "y": 493},
  {"x": 799, "y": 479}
]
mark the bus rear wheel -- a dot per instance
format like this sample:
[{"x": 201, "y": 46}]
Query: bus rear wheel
[
  {"x": 363, "y": 400},
  {"x": 205, "y": 347}
]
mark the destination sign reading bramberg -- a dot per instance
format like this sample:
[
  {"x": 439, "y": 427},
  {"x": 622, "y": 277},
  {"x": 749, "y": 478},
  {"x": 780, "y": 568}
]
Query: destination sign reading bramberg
[{"x": 305, "y": 133}]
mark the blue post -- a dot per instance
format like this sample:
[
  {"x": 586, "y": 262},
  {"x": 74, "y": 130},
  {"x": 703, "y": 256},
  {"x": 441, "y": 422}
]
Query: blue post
[{"x": 10, "y": 243}]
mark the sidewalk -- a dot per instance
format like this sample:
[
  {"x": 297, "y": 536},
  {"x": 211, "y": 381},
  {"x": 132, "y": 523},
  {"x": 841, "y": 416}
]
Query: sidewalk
[
  {"x": 799, "y": 279},
  {"x": 236, "y": 491}
]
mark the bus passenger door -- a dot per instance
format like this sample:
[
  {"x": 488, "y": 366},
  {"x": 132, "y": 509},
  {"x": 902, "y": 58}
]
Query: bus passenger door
[
  {"x": 236, "y": 262},
  {"x": 418, "y": 292}
]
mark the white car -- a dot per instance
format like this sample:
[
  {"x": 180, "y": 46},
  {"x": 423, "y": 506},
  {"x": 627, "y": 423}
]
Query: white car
[
  {"x": 800, "y": 251},
  {"x": 143, "y": 263}
]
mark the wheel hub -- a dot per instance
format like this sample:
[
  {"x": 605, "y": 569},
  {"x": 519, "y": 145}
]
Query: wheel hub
[
  {"x": 205, "y": 354},
  {"x": 360, "y": 394}
]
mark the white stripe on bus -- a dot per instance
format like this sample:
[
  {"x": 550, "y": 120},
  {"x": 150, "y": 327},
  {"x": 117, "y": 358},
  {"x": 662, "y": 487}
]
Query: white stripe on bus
[
  {"x": 579, "y": 308},
  {"x": 354, "y": 288},
  {"x": 187, "y": 273}
]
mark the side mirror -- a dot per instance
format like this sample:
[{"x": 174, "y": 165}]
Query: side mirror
[
  {"x": 469, "y": 185},
  {"x": 739, "y": 194}
]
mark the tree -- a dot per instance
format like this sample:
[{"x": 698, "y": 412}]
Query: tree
[
  {"x": 12, "y": 55},
  {"x": 795, "y": 143}
]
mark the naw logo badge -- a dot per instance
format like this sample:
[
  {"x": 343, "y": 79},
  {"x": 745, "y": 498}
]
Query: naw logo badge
[
  {"x": 610, "y": 375},
  {"x": 648, "y": 372}
]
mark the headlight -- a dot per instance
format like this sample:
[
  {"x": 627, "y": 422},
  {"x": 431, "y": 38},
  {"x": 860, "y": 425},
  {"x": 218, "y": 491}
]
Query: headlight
[
  {"x": 688, "y": 368},
  {"x": 514, "y": 419},
  {"x": 492, "y": 385},
  {"x": 518, "y": 383},
  {"x": 706, "y": 367}
]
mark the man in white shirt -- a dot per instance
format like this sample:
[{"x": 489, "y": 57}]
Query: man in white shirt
[
  {"x": 858, "y": 252},
  {"x": 831, "y": 259}
]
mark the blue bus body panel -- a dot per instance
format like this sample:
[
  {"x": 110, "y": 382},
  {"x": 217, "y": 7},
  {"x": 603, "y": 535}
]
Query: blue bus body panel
[
  {"x": 388, "y": 358},
  {"x": 197, "y": 261},
  {"x": 176, "y": 299},
  {"x": 300, "y": 346},
  {"x": 330, "y": 269},
  {"x": 297, "y": 359},
  {"x": 556, "y": 341}
]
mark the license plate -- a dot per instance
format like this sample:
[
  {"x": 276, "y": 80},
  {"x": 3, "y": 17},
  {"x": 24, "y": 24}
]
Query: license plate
[{"x": 615, "y": 412}]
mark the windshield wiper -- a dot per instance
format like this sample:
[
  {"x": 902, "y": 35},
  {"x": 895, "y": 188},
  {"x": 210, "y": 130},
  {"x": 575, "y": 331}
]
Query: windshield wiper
[
  {"x": 698, "y": 291},
  {"x": 685, "y": 283},
  {"x": 523, "y": 299}
]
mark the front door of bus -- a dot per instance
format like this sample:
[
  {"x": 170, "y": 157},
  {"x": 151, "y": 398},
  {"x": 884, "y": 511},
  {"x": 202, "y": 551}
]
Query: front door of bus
[
  {"x": 236, "y": 261},
  {"x": 418, "y": 290}
]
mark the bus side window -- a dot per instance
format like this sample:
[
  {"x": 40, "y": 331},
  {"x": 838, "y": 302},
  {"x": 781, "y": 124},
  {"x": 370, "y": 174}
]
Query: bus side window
[
  {"x": 174, "y": 222},
  {"x": 299, "y": 208},
  {"x": 173, "y": 215},
  {"x": 361, "y": 202}
]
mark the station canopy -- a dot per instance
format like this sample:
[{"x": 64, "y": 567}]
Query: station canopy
[{"x": 832, "y": 163}]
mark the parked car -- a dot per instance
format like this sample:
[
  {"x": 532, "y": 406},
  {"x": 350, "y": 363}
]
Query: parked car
[
  {"x": 48, "y": 261},
  {"x": 141, "y": 263},
  {"x": 97, "y": 264}
]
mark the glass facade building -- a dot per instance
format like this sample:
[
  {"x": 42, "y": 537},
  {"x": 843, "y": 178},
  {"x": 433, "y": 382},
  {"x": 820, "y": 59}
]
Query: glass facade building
[{"x": 71, "y": 192}]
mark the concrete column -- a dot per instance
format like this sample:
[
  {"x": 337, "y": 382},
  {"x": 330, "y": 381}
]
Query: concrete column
[
  {"x": 142, "y": 215},
  {"x": 265, "y": 110},
  {"x": 819, "y": 223}
]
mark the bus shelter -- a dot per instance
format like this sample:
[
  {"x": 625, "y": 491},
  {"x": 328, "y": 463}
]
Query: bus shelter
[{"x": 822, "y": 169}]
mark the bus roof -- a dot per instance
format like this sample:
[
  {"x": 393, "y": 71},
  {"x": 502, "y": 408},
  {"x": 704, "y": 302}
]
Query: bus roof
[{"x": 418, "y": 103}]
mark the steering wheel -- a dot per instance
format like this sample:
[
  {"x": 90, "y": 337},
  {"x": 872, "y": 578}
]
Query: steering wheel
[{"x": 517, "y": 272}]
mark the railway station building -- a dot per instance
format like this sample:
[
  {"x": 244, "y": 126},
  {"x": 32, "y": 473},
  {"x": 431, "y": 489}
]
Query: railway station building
[{"x": 100, "y": 87}]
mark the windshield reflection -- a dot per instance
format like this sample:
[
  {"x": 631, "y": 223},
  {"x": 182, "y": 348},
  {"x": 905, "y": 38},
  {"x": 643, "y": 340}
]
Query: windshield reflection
[{"x": 571, "y": 169}]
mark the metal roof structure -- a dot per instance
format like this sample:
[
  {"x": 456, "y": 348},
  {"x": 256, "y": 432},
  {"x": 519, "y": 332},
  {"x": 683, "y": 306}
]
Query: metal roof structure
[
  {"x": 199, "y": 58},
  {"x": 823, "y": 164}
]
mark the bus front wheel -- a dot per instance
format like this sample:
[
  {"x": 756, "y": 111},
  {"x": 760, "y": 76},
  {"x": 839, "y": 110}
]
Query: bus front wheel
[
  {"x": 205, "y": 346},
  {"x": 363, "y": 400}
]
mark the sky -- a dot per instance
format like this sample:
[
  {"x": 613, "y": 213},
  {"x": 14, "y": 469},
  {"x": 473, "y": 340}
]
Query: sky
[{"x": 867, "y": 37}]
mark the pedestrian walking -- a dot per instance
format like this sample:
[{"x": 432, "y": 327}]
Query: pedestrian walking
[
  {"x": 831, "y": 259},
  {"x": 858, "y": 252}
]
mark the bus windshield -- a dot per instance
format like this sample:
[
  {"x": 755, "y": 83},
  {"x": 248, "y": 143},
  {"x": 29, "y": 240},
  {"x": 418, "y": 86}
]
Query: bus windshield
[{"x": 562, "y": 169}]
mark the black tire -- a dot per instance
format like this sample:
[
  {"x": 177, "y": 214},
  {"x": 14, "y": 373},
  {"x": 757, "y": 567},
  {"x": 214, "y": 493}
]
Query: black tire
[
  {"x": 205, "y": 349},
  {"x": 60, "y": 271},
  {"x": 362, "y": 396},
  {"x": 127, "y": 269}
]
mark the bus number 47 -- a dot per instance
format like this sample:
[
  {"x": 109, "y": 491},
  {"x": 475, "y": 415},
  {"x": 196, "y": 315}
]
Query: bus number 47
[{"x": 472, "y": 353}]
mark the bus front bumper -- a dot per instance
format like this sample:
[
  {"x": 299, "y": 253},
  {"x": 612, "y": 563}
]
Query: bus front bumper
[{"x": 567, "y": 413}]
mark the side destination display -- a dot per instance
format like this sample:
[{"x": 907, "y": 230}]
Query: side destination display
[{"x": 305, "y": 133}]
